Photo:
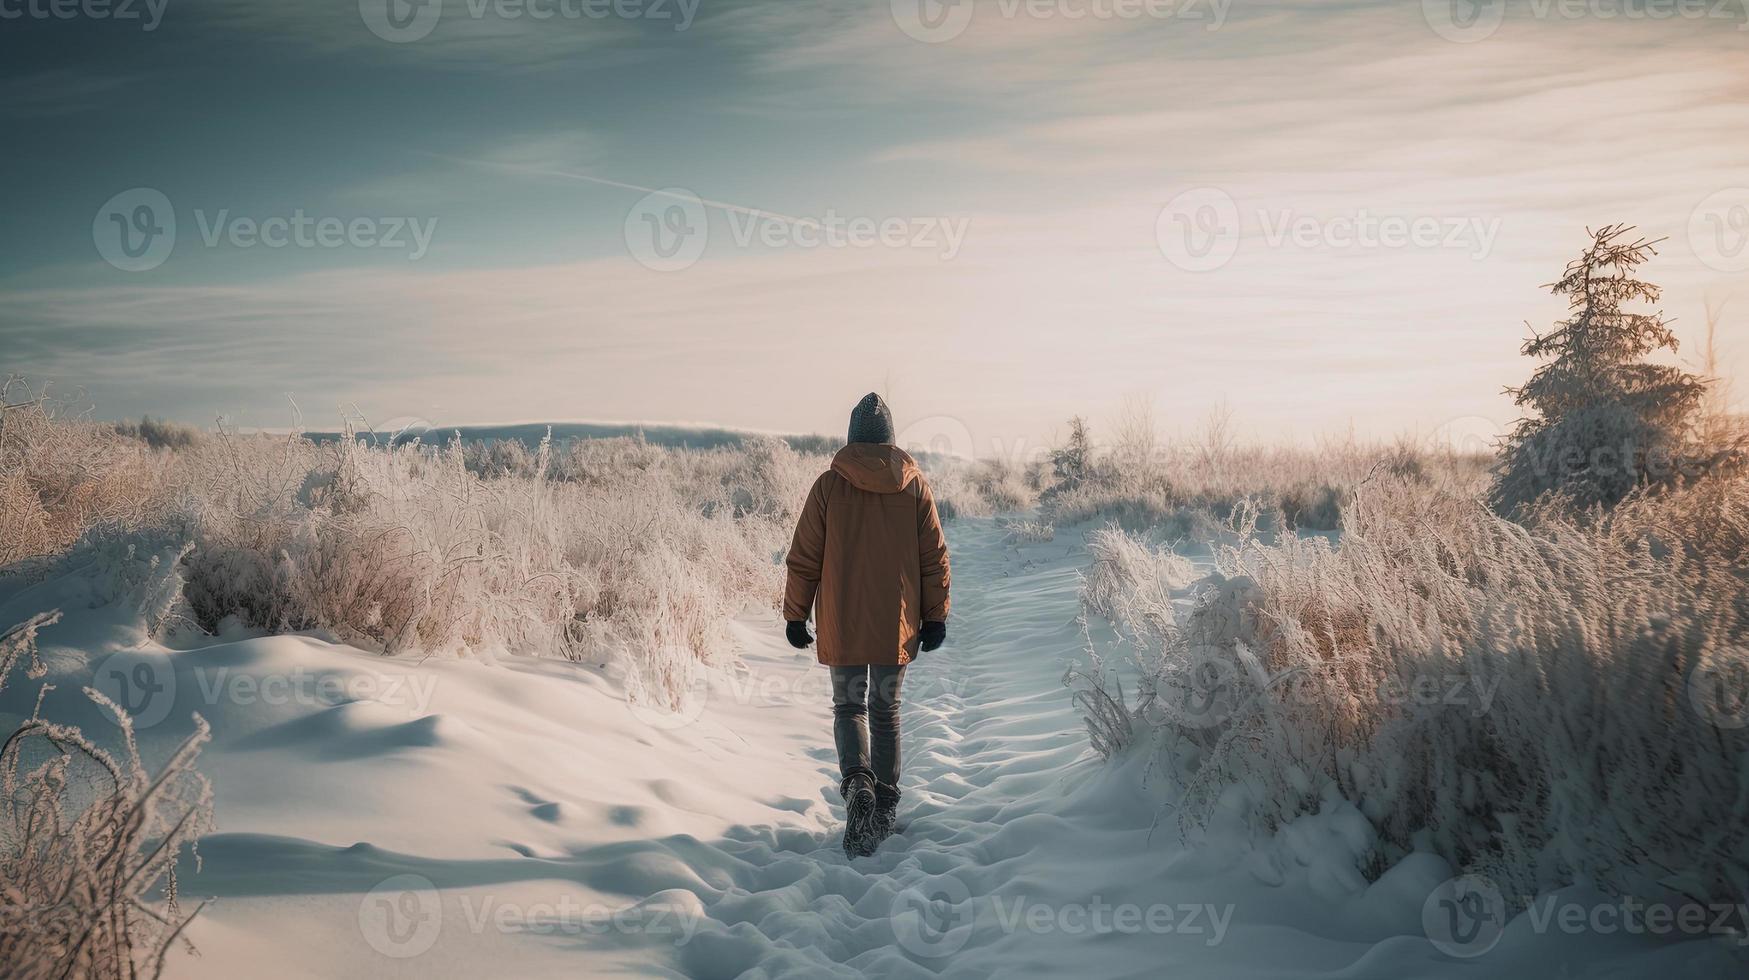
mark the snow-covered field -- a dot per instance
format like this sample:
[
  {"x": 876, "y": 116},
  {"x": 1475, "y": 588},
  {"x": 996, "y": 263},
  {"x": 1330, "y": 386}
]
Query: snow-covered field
[{"x": 392, "y": 817}]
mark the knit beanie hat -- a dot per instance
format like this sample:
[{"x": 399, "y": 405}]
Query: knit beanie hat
[{"x": 871, "y": 420}]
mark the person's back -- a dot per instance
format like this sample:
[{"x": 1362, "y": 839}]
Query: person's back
[{"x": 870, "y": 560}]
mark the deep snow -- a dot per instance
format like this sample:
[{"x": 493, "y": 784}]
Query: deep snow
[{"x": 453, "y": 818}]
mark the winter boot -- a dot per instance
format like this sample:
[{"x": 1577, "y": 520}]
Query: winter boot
[
  {"x": 861, "y": 836},
  {"x": 886, "y": 818}
]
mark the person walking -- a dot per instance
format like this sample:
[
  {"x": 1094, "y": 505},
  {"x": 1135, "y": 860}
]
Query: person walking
[{"x": 869, "y": 560}]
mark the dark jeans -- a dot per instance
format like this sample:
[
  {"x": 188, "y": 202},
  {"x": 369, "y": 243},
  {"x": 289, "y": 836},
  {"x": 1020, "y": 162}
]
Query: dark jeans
[{"x": 870, "y": 693}]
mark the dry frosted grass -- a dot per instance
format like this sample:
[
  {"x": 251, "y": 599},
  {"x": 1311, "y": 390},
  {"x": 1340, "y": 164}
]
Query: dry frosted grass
[
  {"x": 1542, "y": 704},
  {"x": 605, "y": 549},
  {"x": 1190, "y": 489},
  {"x": 635, "y": 552},
  {"x": 982, "y": 488},
  {"x": 89, "y": 843},
  {"x": 60, "y": 474}
]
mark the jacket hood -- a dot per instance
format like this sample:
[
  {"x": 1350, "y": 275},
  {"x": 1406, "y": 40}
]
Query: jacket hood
[{"x": 876, "y": 468}]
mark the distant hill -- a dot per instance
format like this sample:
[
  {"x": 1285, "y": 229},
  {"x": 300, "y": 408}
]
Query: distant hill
[{"x": 531, "y": 433}]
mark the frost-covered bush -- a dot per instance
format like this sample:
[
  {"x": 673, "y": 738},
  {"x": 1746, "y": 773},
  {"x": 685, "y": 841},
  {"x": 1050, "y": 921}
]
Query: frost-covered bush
[
  {"x": 768, "y": 479},
  {"x": 983, "y": 487},
  {"x": 1182, "y": 490},
  {"x": 60, "y": 474},
  {"x": 159, "y": 433},
  {"x": 1029, "y": 532},
  {"x": 1540, "y": 705},
  {"x": 406, "y": 548},
  {"x": 606, "y": 549},
  {"x": 89, "y": 842},
  {"x": 497, "y": 458}
]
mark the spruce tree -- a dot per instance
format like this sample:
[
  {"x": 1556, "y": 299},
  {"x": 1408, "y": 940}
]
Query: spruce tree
[{"x": 1601, "y": 420}]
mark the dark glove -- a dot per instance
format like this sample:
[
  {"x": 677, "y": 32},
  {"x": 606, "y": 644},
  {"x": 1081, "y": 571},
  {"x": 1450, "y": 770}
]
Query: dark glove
[
  {"x": 798, "y": 634},
  {"x": 932, "y": 635}
]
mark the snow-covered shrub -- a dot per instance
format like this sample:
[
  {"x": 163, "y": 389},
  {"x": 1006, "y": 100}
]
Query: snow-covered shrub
[
  {"x": 404, "y": 548},
  {"x": 60, "y": 474},
  {"x": 1188, "y": 489},
  {"x": 498, "y": 458},
  {"x": 159, "y": 433},
  {"x": 89, "y": 843},
  {"x": 1029, "y": 532},
  {"x": 632, "y": 551},
  {"x": 767, "y": 478},
  {"x": 1541, "y": 705},
  {"x": 1131, "y": 585},
  {"x": 1312, "y": 508},
  {"x": 981, "y": 488}
]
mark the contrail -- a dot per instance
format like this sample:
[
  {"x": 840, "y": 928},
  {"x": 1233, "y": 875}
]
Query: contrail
[{"x": 590, "y": 178}]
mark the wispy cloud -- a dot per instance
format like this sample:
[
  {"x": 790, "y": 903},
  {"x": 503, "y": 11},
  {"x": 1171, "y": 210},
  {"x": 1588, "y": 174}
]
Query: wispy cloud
[
  {"x": 466, "y": 35},
  {"x": 1060, "y": 143},
  {"x": 62, "y": 92}
]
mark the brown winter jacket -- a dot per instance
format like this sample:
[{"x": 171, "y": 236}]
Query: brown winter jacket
[{"x": 869, "y": 558}]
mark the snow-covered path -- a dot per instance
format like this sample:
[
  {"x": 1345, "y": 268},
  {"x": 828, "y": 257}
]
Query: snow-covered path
[
  {"x": 392, "y": 818},
  {"x": 991, "y": 745}
]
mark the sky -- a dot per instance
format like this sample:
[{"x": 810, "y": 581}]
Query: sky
[{"x": 1328, "y": 216}]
